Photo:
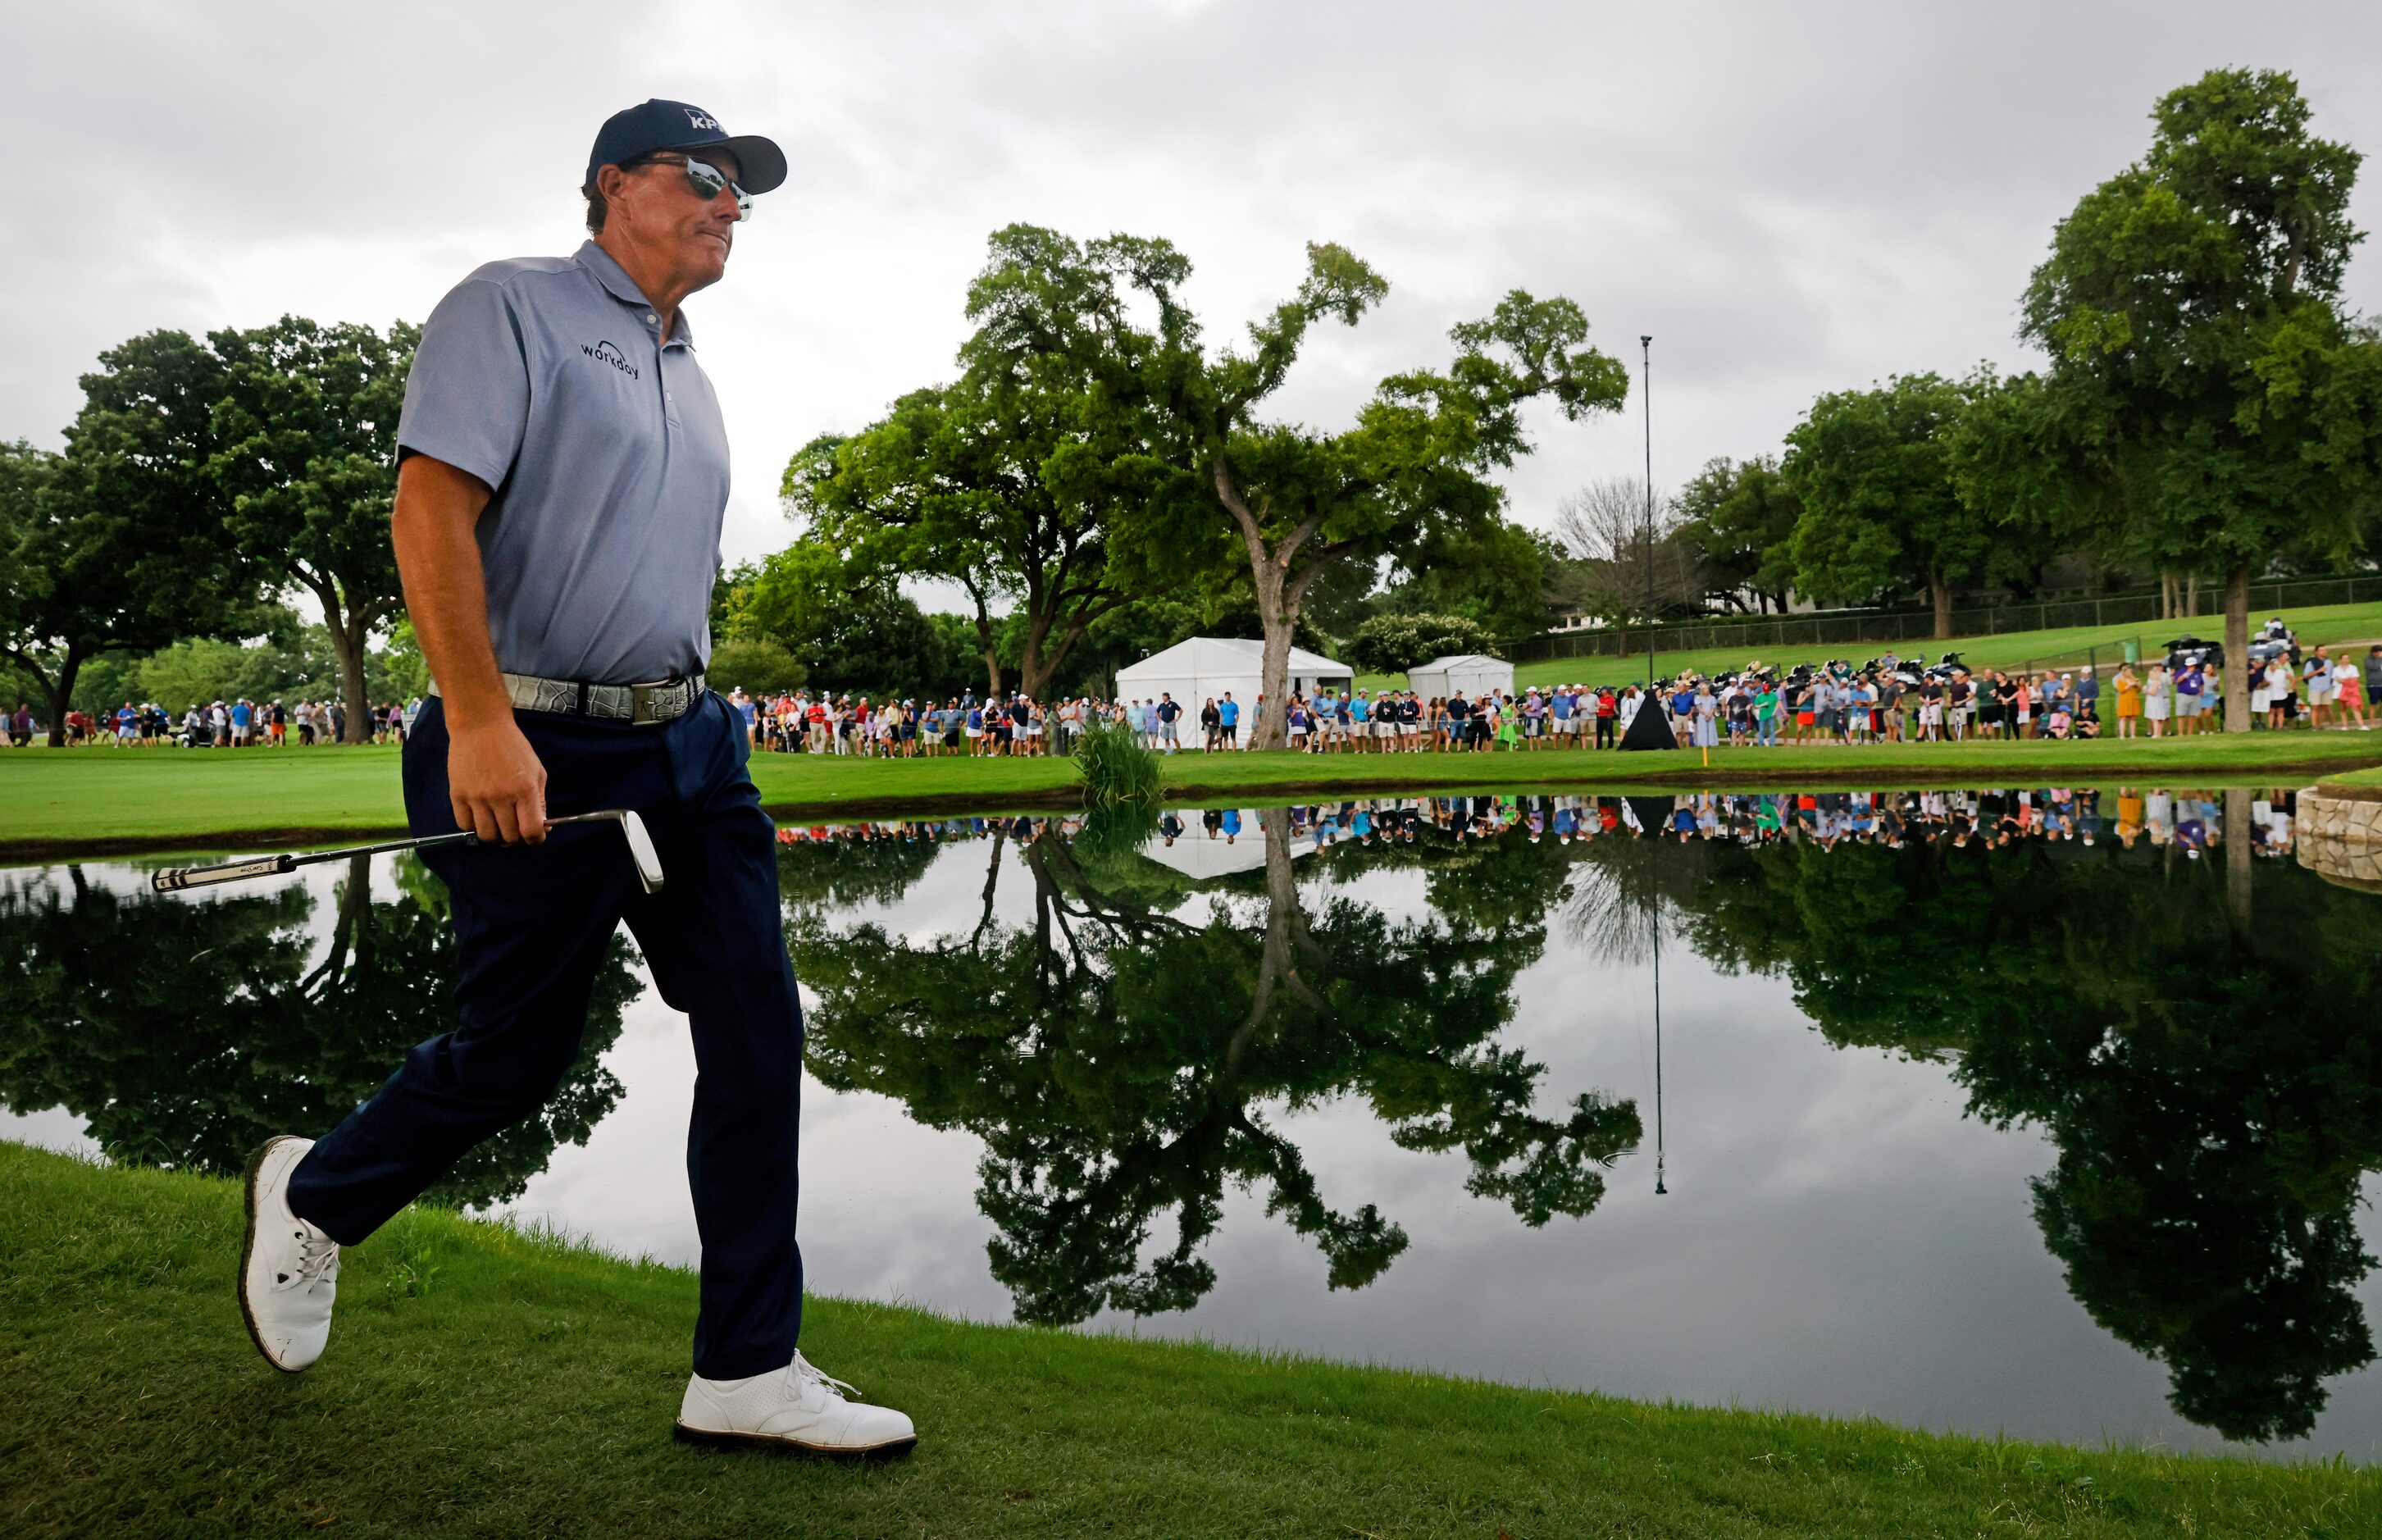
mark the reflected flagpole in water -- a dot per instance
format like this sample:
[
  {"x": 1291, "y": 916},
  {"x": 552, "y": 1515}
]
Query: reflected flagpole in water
[{"x": 1654, "y": 923}]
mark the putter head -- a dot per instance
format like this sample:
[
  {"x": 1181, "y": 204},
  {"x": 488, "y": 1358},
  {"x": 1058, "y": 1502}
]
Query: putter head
[
  {"x": 642, "y": 851},
  {"x": 641, "y": 845}
]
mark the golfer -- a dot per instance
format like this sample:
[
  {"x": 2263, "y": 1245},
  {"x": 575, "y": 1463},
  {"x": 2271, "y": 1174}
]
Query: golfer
[{"x": 563, "y": 469}]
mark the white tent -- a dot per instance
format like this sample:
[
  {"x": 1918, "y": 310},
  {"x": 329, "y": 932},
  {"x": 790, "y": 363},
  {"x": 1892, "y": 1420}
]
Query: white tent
[
  {"x": 1464, "y": 674},
  {"x": 1204, "y": 668},
  {"x": 1236, "y": 845}
]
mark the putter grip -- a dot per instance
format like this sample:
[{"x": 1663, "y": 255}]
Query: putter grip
[{"x": 175, "y": 878}]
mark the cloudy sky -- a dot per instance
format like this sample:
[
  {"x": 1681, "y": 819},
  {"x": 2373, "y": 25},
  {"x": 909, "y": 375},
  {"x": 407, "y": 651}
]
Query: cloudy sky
[{"x": 1789, "y": 199}]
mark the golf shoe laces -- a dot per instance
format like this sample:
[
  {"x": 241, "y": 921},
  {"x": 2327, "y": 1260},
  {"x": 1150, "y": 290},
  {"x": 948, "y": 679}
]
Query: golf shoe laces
[{"x": 318, "y": 1260}]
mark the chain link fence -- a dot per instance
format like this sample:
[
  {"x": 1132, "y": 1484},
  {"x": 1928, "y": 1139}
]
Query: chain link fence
[{"x": 1853, "y": 628}]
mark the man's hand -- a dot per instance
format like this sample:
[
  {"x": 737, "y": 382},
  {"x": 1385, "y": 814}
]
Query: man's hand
[{"x": 496, "y": 783}]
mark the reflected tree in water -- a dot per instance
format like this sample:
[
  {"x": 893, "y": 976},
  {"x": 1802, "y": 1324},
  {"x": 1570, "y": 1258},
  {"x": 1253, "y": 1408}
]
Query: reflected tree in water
[
  {"x": 1120, "y": 1056},
  {"x": 2204, "y": 1057},
  {"x": 186, "y": 1032}
]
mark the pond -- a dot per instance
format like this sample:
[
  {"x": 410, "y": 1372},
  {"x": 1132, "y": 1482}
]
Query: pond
[{"x": 2046, "y": 1111}]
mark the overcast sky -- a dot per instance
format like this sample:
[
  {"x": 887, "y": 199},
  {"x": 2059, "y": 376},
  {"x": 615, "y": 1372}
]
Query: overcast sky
[{"x": 1789, "y": 198}]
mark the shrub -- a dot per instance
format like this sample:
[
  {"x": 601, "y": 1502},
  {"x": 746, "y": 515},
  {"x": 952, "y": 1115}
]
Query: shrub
[
  {"x": 762, "y": 667},
  {"x": 1116, "y": 770},
  {"x": 1393, "y": 644}
]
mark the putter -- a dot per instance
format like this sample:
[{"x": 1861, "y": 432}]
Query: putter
[{"x": 176, "y": 878}]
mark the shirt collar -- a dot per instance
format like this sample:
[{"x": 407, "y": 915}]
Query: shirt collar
[{"x": 616, "y": 280}]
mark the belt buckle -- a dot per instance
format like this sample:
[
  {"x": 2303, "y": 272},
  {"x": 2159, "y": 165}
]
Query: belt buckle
[{"x": 640, "y": 697}]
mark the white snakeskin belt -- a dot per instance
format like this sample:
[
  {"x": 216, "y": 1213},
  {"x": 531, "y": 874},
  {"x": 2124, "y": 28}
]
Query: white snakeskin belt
[{"x": 666, "y": 701}]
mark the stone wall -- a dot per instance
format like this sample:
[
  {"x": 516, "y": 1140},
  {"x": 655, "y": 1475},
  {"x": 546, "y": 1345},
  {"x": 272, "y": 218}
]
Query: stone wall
[{"x": 2338, "y": 835}]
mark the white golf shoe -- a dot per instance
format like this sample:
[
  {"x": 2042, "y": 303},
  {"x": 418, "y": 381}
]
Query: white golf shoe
[
  {"x": 288, "y": 1270},
  {"x": 796, "y": 1410}
]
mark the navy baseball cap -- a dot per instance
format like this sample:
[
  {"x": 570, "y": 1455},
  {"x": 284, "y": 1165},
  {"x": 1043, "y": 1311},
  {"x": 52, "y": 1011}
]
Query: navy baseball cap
[{"x": 660, "y": 125}]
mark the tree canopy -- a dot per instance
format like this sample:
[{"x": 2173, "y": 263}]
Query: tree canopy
[
  {"x": 1738, "y": 516},
  {"x": 306, "y": 455},
  {"x": 1012, "y": 480},
  {"x": 1880, "y": 513},
  {"x": 848, "y": 627},
  {"x": 122, "y": 544},
  {"x": 1225, "y": 483},
  {"x": 2231, "y": 405}
]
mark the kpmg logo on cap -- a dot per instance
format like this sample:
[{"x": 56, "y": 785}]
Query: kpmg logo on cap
[
  {"x": 702, "y": 120},
  {"x": 604, "y": 352}
]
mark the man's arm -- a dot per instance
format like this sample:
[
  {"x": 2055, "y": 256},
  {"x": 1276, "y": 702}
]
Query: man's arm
[{"x": 494, "y": 778}]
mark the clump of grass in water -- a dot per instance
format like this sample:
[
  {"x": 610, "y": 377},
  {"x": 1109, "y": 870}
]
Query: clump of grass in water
[
  {"x": 1117, "y": 771},
  {"x": 1111, "y": 834}
]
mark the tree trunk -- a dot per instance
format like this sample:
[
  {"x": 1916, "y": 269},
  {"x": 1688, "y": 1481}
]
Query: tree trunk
[
  {"x": 349, "y": 643},
  {"x": 1941, "y": 593},
  {"x": 61, "y": 692},
  {"x": 2236, "y": 648},
  {"x": 349, "y": 634},
  {"x": 1040, "y": 667},
  {"x": 2192, "y": 594},
  {"x": 1273, "y": 674},
  {"x": 2238, "y": 873},
  {"x": 987, "y": 648}
]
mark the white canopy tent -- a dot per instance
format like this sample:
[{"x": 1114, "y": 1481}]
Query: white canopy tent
[
  {"x": 1464, "y": 674},
  {"x": 1204, "y": 668}
]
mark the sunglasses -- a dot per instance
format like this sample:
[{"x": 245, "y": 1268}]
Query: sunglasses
[{"x": 705, "y": 181}]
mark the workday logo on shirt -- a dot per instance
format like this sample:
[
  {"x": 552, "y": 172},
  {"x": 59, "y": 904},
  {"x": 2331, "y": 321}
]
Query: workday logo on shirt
[{"x": 604, "y": 352}]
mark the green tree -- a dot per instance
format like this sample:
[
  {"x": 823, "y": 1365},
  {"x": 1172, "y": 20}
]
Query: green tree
[
  {"x": 2191, "y": 306},
  {"x": 731, "y": 600},
  {"x": 851, "y": 629},
  {"x": 1880, "y": 513},
  {"x": 1290, "y": 502},
  {"x": 293, "y": 661},
  {"x": 1493, "y": 573},
  {"x": 2023, "y": 455},
  {"x": 1012, "y": 480},
  {"x": 1739, "y": 517},
  {"x": 120, "y": 544},
  {"x": 308, "y": 454},
  {"x": 399, "y": 670}
]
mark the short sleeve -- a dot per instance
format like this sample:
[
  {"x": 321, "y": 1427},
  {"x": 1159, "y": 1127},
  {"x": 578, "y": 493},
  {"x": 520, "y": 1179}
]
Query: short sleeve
[{"x": 467, "y": 396}]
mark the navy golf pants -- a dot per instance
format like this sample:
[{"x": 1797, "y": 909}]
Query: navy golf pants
[{"x": 531, "y": 925}]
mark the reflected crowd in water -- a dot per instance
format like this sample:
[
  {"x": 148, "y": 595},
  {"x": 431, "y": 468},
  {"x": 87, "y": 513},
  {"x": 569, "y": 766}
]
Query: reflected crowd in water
[{"x": 2190, "y": 821}]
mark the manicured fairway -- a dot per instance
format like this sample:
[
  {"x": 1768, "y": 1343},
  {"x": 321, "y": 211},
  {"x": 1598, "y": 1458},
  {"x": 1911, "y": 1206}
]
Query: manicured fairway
[
  {"x": 102, "y": 799},
  {"x": 2317, "y": 626},
  {"x": 529, "y": 1388}
]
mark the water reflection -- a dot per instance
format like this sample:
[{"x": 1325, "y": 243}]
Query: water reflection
[
  {"x": 1114, "y": 1055},
  {"x": 188, "y": 1031},
  {"x": 1134, "y": 1024}
]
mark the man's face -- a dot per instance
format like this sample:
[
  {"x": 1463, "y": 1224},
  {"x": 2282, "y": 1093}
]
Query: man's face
[{"x": 659, "y": 212}]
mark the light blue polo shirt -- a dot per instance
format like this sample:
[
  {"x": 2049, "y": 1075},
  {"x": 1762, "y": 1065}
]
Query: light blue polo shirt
[{"x": 548, "y": 378}]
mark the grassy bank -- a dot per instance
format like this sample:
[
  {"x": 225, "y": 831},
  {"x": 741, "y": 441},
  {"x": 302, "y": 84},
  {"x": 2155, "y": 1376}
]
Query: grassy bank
[
  {"x": 528, "y": 1389},
  {"x": 2317, "y": 625},
  {"x": 100, "y": 800}
]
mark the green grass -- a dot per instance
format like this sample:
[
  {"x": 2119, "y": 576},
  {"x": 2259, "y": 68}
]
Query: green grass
[
  {"x": 100, "y": 799},
  {"x": 2317, "y": 625},
  {"x": 529, "y": 1390}
]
